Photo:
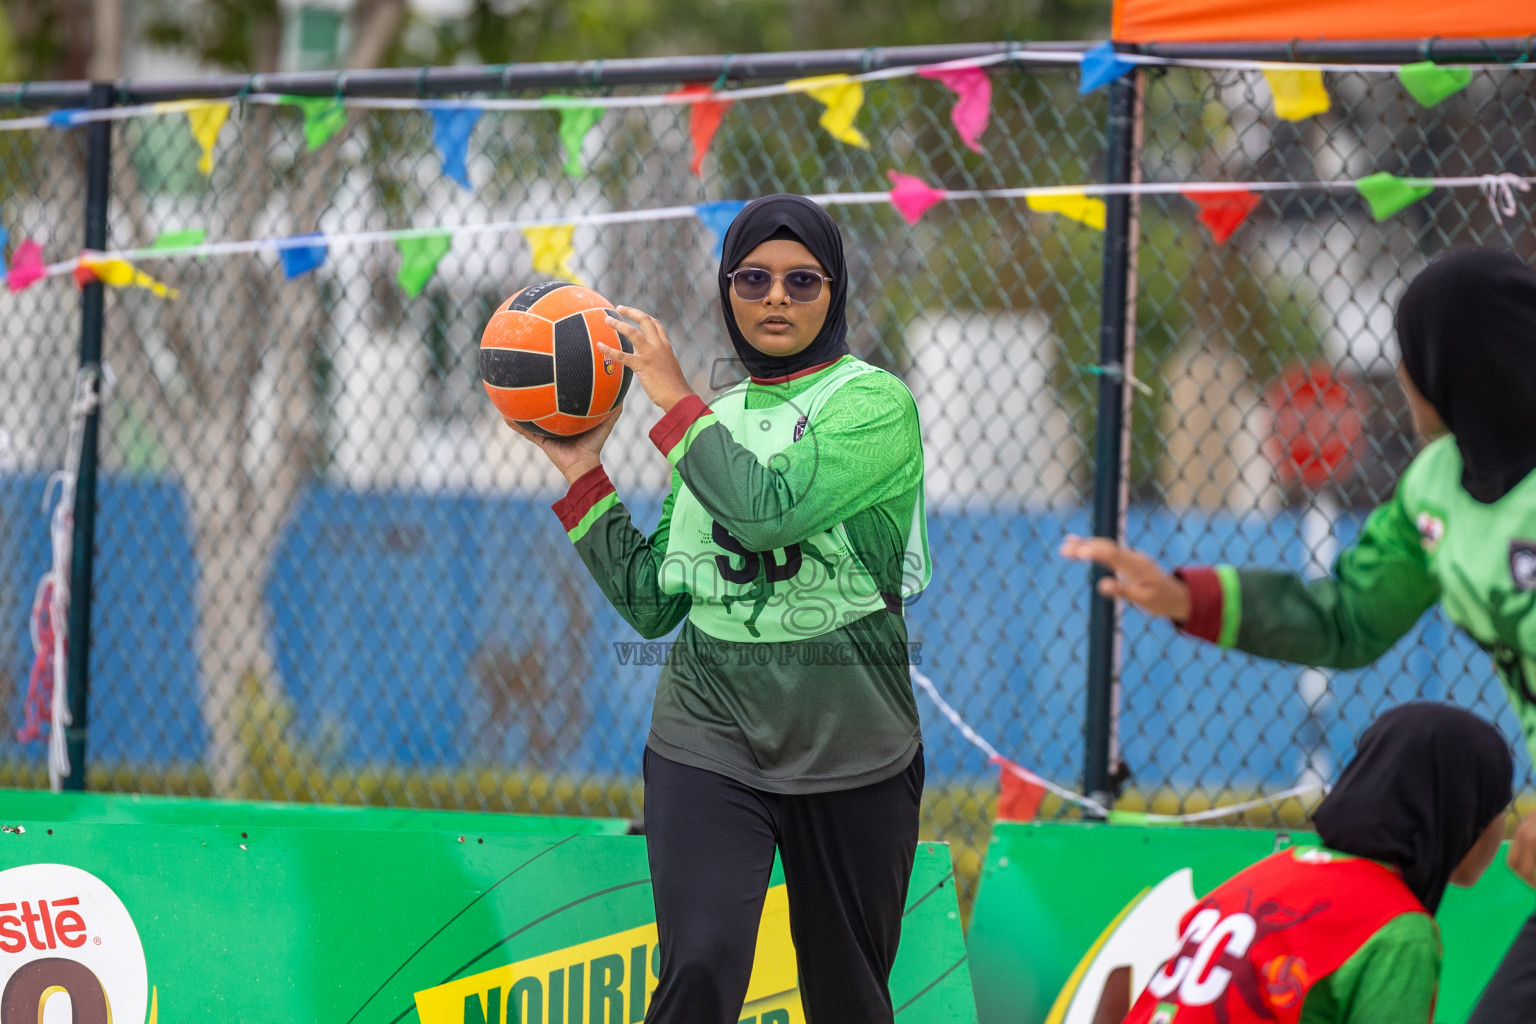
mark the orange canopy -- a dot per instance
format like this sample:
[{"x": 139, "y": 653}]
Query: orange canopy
[{"x": 1146, "y": 21}]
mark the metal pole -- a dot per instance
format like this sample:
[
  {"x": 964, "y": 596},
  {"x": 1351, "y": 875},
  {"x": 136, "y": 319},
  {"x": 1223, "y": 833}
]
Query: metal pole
[
  {"x": 98, "y": 166},
  {"x": 1109, "y": 455}
]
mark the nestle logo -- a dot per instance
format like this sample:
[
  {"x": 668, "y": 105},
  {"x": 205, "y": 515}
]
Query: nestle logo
[{"x": 46, "y": 927}]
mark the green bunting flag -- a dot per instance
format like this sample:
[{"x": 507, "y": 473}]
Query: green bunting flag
[
  {"x": 575, "y": 121},
  {"x": 1387, "y": 194},
  {"x": 419, "y": 257},
  {"x": 186, "y": 238},
  {"x": 1429, "y": 83},
  {"x": 324, "y": 116}
]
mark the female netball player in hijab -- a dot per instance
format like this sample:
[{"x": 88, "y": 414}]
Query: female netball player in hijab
[
  {"x": 1460, "y": 530},
  {"x": 784, "y": 717},
  {"x": 1344, "y": 933}
]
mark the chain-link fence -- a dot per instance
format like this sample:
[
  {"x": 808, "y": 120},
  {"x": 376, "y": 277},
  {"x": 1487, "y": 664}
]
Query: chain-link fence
[{"x": 327, "y": 571}]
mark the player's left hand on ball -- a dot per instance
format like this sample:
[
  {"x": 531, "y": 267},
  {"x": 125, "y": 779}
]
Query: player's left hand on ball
[
  {"x": 654, "y": 363},
  {"x": 1522, "y": 851}
]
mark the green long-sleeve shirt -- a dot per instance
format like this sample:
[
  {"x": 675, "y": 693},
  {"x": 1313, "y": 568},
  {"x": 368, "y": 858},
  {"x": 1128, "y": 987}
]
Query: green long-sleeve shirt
[
  {"x": 836, "y": 710},
  {"x": 1432, "y": 542},
  {"x": 1392, "y": 979}
]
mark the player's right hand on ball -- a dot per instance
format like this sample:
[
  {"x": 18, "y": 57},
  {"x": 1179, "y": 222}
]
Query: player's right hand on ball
[
  {"x": 1135, "y": 577},
  {"x": 574, "y": 456}
]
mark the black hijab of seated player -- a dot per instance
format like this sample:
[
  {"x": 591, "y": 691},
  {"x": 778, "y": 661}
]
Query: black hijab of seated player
[
  {"x": 1425, "y": 782},
  {"x": 794, "y": 217},
  {"x": 1467, "y": 329}
]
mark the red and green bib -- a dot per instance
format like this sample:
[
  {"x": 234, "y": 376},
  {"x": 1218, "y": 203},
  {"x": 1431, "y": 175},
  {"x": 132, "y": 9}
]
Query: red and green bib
[{"x": 1251, "y": 950}]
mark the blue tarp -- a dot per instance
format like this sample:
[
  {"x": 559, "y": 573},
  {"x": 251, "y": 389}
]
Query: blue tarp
[{"x": 383, "y": 606}]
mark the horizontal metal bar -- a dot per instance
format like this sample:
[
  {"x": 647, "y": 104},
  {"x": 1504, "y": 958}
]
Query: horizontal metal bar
[
  {"x": 1366, "y": 51},
  {"x": 516, "y": 77}
]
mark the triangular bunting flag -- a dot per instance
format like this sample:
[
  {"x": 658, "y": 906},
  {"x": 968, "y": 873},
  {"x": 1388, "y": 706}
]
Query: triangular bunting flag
[
  {"x": 717, "y": 217},
  {"x": 451, "y": 129},
  {"x": 1019, "y": 792},
  {"x": 576, "y": 119},
  {"x": 5, "y": 239},
  {"x": 324, "y": 116},
  {"x": 1387, "y": 194},
  {"x": 1222, "y": 212},
  {"x": 553, "y": 251},
  {"x": 1075, "y": 206},
  {"x": 186, "y": 238},
  {"x": 972, "y": 110},
  {"x": 419, "y": 257},
  {"x": 1298, "y": 94},
  {"x": 64, "y": 118},
  {"x": 205, "y": 122},
  {"x": 842, "y": 96},
  {"x": 912, "y": 196},
  {"x": 116, "y": 273},
  {"x": 299, "y": 260},
  {"x": 704, "y": 117},
  {"x": 1101, "y": 65},
  {"x": 26, "y": 266},
  {"x": 1430, "y": 84}
]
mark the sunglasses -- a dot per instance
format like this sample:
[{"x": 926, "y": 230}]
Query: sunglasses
[{"x": 752, "y": 284}]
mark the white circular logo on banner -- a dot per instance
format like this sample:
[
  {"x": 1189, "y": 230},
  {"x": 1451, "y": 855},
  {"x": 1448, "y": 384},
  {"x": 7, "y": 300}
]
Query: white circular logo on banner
[{"x": 68, "y": 950}]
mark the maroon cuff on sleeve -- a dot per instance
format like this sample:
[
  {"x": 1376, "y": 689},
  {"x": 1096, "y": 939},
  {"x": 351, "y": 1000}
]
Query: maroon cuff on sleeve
[
  {"x": 669, "y": 430},
  {"x": 589, "y": 488},
  {"x": 1204, "y": 602}
]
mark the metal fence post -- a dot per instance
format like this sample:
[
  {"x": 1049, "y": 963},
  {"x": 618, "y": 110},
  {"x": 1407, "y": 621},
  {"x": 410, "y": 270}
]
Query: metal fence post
[
  {"x": 1116, "y": 334},
  {"x": 98, "y": 155}
]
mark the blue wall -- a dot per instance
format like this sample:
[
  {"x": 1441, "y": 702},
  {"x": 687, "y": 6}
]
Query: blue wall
[{"x": 380, "y": 602}]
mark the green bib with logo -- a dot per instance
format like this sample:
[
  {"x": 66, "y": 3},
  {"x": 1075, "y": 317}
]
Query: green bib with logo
[
  {"x": 1484, "y": 558},
  {"x": 798, "y": 592}
]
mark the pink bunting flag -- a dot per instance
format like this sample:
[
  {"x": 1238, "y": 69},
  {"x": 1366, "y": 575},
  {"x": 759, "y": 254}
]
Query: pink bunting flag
[
  {"x": 974, "y": 107},
  {"x": 26, "y": 266},
  {"x": 911, "y": 196},
  {"x": 1222, "y": 212},
  {"x": 704, "y": 117}
]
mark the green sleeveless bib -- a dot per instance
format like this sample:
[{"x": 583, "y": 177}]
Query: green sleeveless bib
[
  {"x": 1484, "y": 557},
  {"x": 795, "y": 593}
]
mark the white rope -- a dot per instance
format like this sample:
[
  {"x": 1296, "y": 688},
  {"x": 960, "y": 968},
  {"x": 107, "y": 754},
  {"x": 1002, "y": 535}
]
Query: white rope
[
  {"x": 61, "y": 524},
  {"x": 1247, "y": 805},
  {"x": 72, "y": 118},
  {"x": 976, "y": 740},
  {"x": 357, "y": 238},
  {"x": 1499, "y": 190}
]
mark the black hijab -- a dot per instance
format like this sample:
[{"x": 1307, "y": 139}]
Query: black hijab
[
  {"x": 796, "y": 217},
  {"x": 1467, "y": 329},
  {"x": 1425, "y": 781}
]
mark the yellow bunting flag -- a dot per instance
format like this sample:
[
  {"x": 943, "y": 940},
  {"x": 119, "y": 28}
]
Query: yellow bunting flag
[
  {"x": 121, "y": 274},
  {"x": 1298, "y": 94},
  {"x": 553, "y": 251},
  {"x": 1073, "y": 205},
  {"x": 206, "y": 120},
  {"x": 842, "y": 96}
]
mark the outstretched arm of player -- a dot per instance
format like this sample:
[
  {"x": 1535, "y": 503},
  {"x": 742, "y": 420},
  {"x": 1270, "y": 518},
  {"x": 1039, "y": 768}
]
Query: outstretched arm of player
[{"x": 1378, "y": 590}]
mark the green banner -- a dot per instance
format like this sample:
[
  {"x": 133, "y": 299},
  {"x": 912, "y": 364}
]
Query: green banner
[
  {"x": 132, "y": 809},
  {"x": 1062, "y": 905},
  {"x": 251, "y": 923}
]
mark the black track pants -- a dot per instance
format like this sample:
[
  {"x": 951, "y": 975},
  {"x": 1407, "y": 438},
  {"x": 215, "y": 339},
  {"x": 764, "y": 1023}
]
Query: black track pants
[
  {"x": 847, "y": 860},
  {"x": 1510, "y": 997}
]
